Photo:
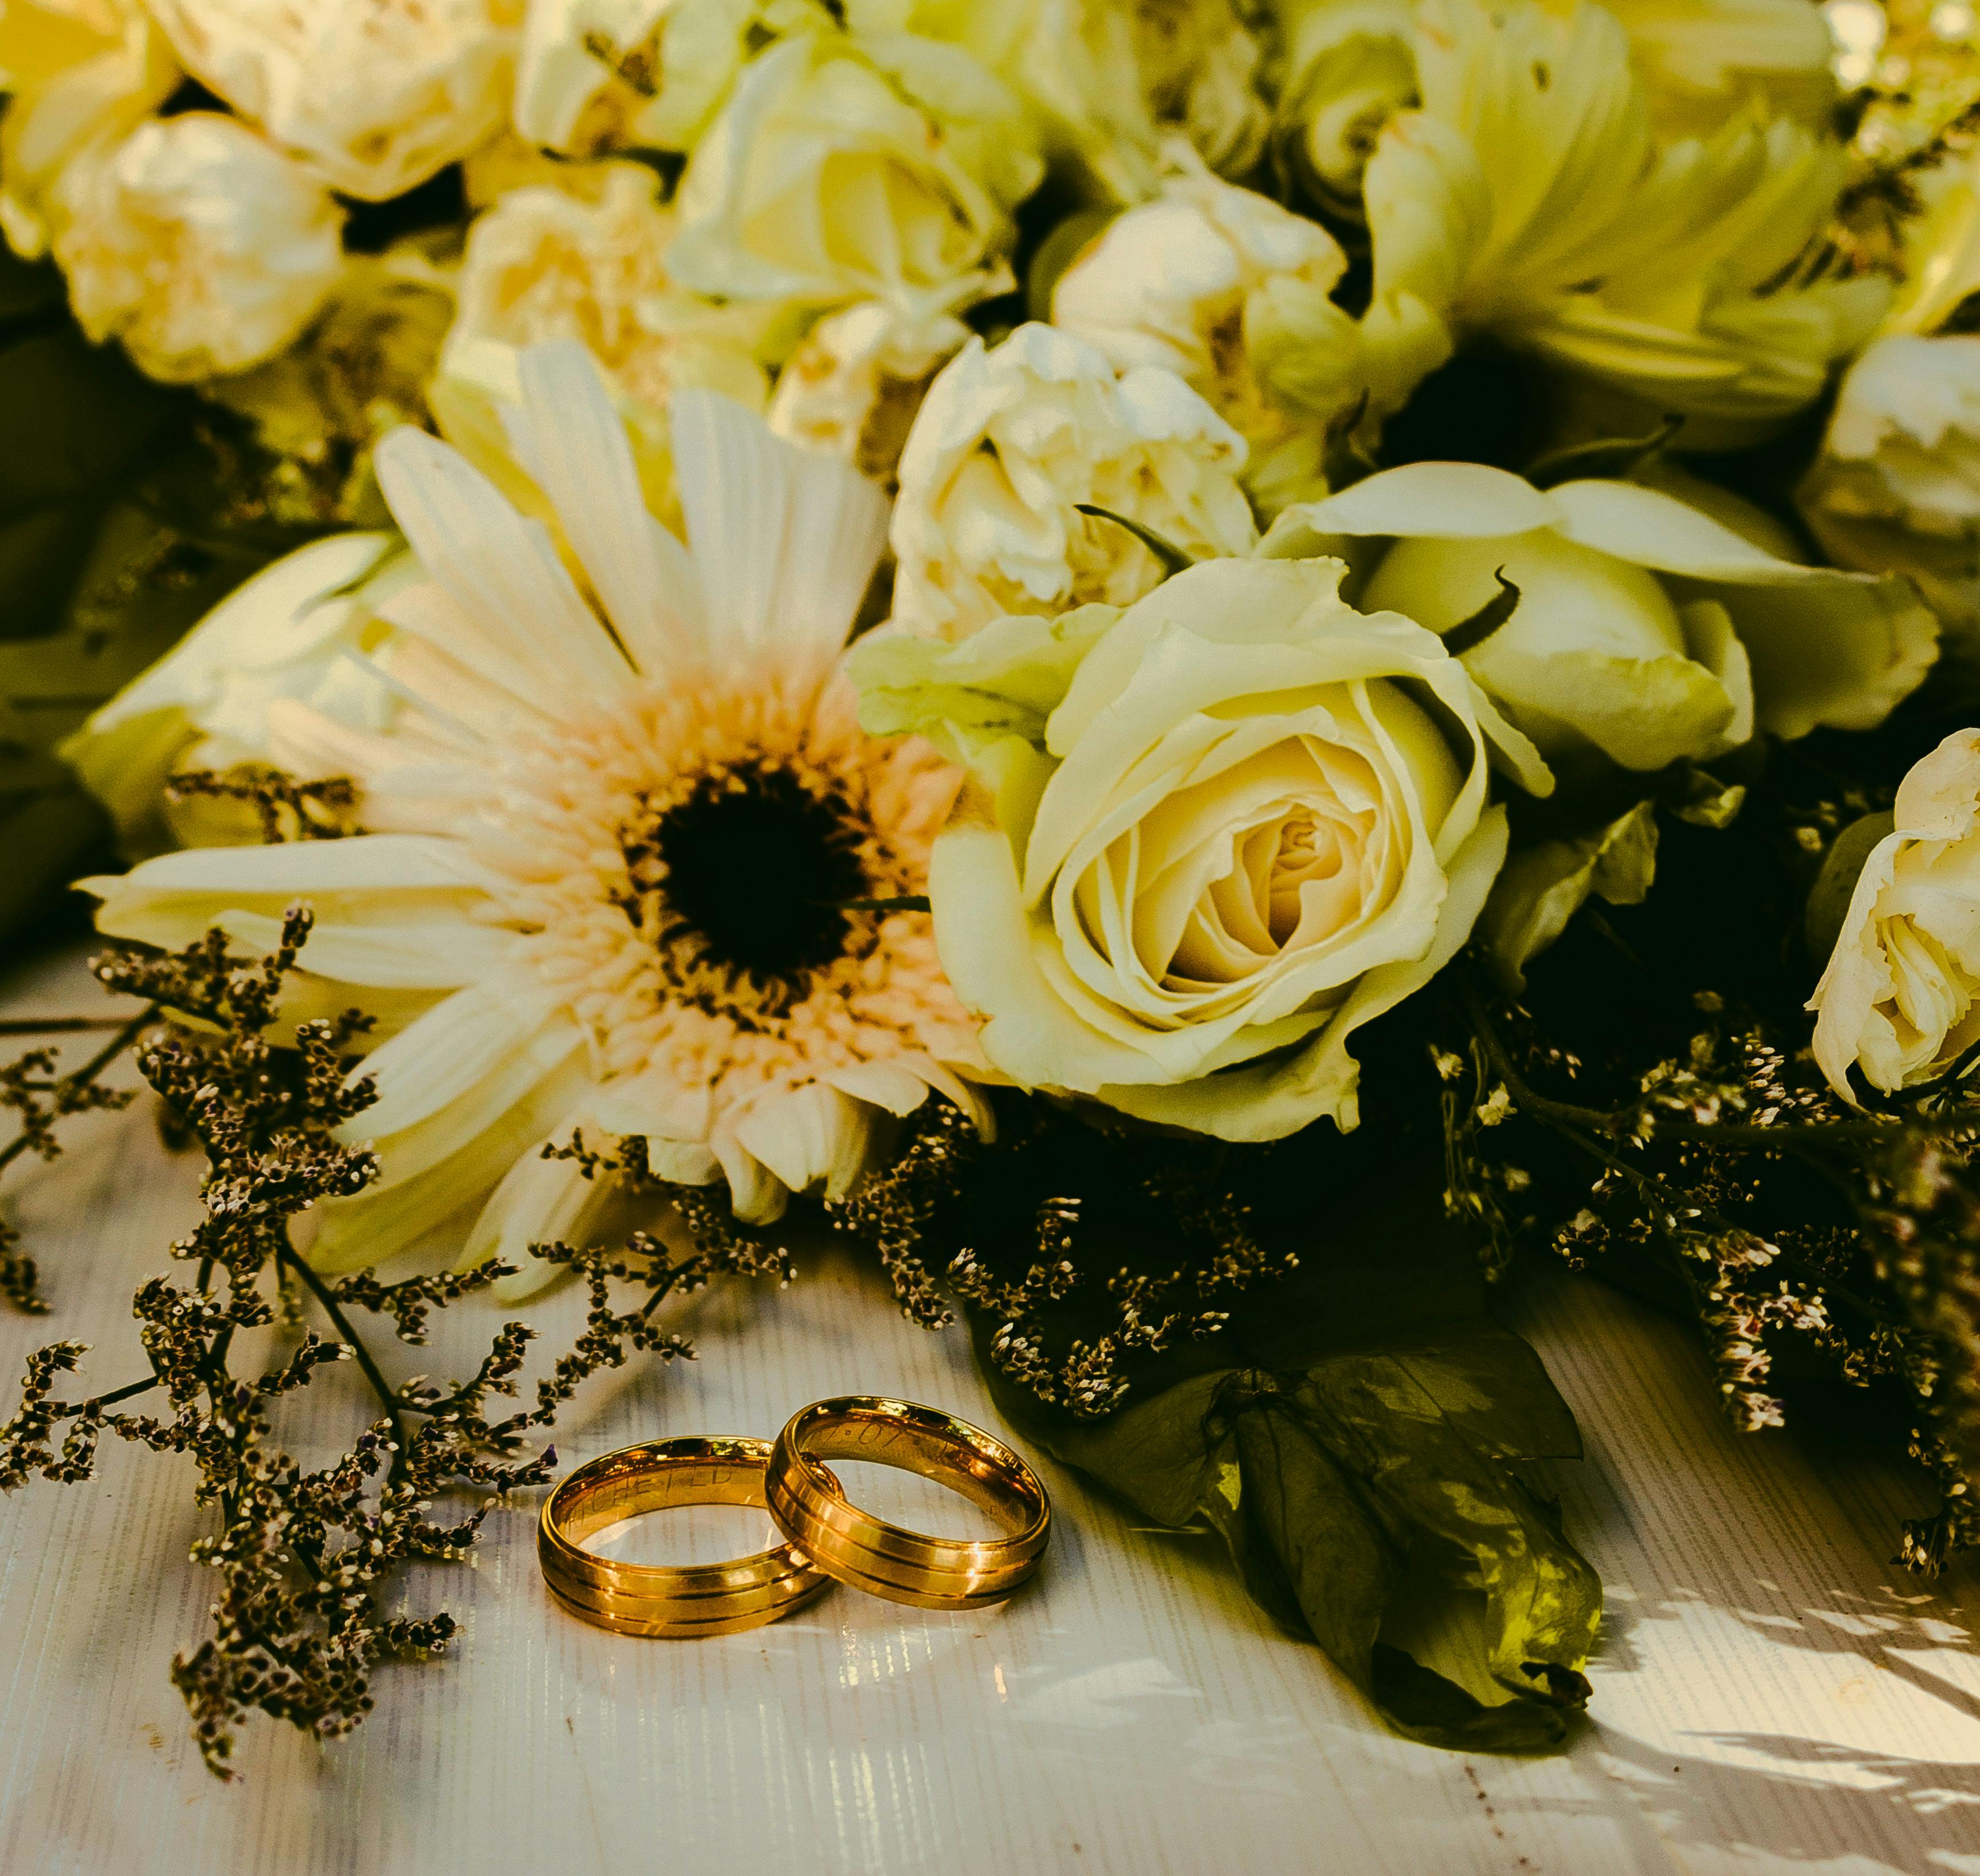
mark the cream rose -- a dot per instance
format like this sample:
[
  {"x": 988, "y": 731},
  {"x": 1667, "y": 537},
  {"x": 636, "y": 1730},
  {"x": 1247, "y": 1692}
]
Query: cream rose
[
  {"x": 853, "y": 387},
  {"x": 1212, "y": 836},
  {"x": 374, "y": 95},
  {"x": 1009, "y": 443},
  {"x": 611, "y": 75},
  {"x": 74, "y": 73},
  {"x": 201, "y": 248},
  {"x": 882, "y": 167},
  {"x": 1226, "y": 289},
  {"x": 1645, "y": 631},
  {"x": 1900, "y": 999}
]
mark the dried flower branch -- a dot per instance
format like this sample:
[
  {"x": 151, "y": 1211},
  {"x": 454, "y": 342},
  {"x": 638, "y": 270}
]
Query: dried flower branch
[{"x": 285, "y": 808}]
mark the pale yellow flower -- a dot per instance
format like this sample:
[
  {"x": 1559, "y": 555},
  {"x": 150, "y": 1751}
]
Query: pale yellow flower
[
  {"x": 1645, "y": 630},
  {"x": 853, "y": 387},
  {"x": 197, "y": 244},
  {"x": 1210, "y": 837},
  {"x": 74, "y": 73},
  {"x": 841, "y": 170},
  {"x": 1008, "y": 445},
  {"x": 374, "y": 95},
  {"x": 608, "y": 74},
  {"x": 1232, "y": 293},
  {"x": 1900, "y": 999},
  {"x": 1527, "y": 198},
  {"x": 610, "y": 839}
]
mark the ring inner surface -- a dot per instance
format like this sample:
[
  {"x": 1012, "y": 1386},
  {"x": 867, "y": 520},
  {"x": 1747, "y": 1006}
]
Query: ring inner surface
[
  {"x": 886, "y": 1441},
  {"x": 656, "y": 1486}
]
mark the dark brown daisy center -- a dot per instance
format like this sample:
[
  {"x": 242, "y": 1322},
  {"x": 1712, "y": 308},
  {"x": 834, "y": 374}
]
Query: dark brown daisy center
[{"x": 747, "y": 876}]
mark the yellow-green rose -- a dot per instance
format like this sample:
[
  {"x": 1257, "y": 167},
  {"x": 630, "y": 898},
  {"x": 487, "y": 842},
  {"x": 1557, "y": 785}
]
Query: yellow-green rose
[
  {"x": 1211, "y": 836},
  {"x": 885, "y": 167},
  {"x": 1645, "y": 630}
]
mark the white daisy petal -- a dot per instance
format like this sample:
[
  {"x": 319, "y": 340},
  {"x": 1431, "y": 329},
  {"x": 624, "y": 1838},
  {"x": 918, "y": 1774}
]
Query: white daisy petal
[
  {"x": 812, "y": 1136},
  {"x": 441, "y": 956},
  {"x": 539, "y": 1201},
  {"x": 569, "y": 438},
  {"x": 499, "y": 567}
]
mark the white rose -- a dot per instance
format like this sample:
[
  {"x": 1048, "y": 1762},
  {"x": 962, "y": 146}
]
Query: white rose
[
  {"x": 1900, "y": 999},
  {"x": 1212, "y": 836},
  {"x": 1230, "y": 292},
  {"x": 1010, "y": 442},
  {"x": 885, "y": 168},
  {"x": 201, "y": 248},
  {"x": 608, "y": 75},
  {"x": 1645, "y": 630},
  {"x": 375, "y": 94},
  {"x": 853, "y": 387},
  {"x": 75, "y": 73},
  {"x": 1904, "y": 445}
]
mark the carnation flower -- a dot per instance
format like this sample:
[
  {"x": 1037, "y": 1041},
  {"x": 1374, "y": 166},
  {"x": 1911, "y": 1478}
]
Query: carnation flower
[
  {"x": 842, "y": 170},
  {"x": 1527, "y": 199},
  {"x": 546, "y": 264},
  {"x": 1644, "y": 630},
  {"x": 1232, "y": 293},
  {"x": 1900, "y": 998},
  {"x": 74, "y": 73},
  {"x": 199, "y": 246},
  {"x": 1212, "y": 835},
  {"x": 855, "y": 385},
  {"x": 1904, "y": 445},
  {"x": 614, "y": 854},
  {"x": 374, "y": 95},
  {"x": 1011, "y": 442}
]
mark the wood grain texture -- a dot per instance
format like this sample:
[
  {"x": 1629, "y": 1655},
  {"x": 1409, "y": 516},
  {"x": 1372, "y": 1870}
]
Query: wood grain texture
[{"x": 1771, "y": 1695}]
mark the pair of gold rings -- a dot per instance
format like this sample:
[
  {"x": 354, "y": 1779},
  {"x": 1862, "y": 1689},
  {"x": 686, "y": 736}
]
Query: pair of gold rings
[{"x": 827, "y": 1538}]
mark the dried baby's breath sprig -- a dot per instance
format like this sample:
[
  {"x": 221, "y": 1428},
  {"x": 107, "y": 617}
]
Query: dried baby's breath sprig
[
  {"x": 32, "y": 1089},
  {"x": 1746, "y": 1188},
  {"x": 285, "y": 808},
  {"x": 895, "y": 1208},
  {"x": 307, "y": 1559}
]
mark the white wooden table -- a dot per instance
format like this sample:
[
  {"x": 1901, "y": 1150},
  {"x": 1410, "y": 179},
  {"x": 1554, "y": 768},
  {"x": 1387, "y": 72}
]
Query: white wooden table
[{"x": 1771, "y": 1694}]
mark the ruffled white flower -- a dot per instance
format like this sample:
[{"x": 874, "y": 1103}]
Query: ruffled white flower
[
  {"x": 375, "y": 95},
  {"x": 882, "y": 168},
  {"x": 74, "y": 73},
  {"x": 1351, "y": 66},
  {"x": 1900, "y": 999},
  {"x": 609, "y": 847},
  {"x": 853, "y": 387},
  {"x": 1212, "y": 836},
  {"x": 1645, "y": 630},
  {"x": 544, "y": 263},
  {"x": 612, "y": 75},
  {"x": 1528, "y": 199},
  {"x": 1232, "y": 293},
  {"x": 201, "y": 246},
  {"x": 1008, "y": 445},
  {"x": 1904, "y": 445}
]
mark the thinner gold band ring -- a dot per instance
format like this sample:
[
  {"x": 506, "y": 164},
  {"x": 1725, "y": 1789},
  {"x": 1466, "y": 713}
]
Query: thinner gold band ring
[
  {"x": 812, "y": 1510},
  {"x": 652, "y": 1599}
]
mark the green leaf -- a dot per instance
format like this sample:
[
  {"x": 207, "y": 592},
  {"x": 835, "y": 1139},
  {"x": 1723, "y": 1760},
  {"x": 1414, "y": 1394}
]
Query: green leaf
[
  {"x": 1351, "y": 1436},
  {"x": 1610, "y": 457}
]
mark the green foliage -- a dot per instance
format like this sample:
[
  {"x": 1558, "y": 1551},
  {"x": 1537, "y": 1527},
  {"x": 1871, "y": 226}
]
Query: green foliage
[
  {"x": 1358, "y": 1425},
  {"x": 127, "y": 510}
]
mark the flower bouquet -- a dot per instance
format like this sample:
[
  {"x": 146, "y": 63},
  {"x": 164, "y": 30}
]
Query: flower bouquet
[{"x": 1211, "y": 671}]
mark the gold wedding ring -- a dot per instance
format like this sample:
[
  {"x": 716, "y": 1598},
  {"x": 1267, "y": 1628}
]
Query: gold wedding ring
[
  {"x": 811, "y": 1508},
  {"x": 687, "y": 1600}
]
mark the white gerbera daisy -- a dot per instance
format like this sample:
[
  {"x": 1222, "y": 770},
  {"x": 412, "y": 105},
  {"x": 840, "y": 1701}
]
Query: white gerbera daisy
[{"x": 616, "y": 837}]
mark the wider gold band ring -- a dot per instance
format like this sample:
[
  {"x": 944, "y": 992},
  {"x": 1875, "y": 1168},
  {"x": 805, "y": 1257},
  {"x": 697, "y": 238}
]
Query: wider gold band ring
[
  {"x": 653, "y": 1599},
  {"x": 811, "y": 1508}
]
